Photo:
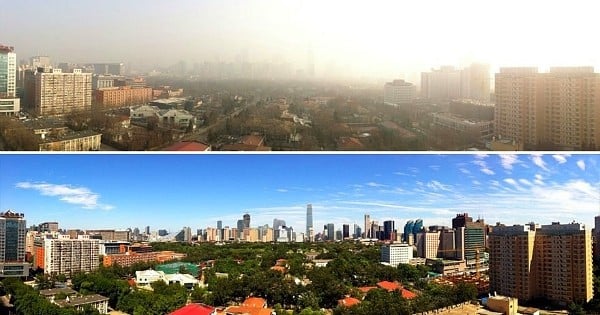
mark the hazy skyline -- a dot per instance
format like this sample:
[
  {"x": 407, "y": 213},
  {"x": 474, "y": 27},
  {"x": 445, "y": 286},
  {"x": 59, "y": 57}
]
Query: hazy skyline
[
  {"x": 171, "y": 191},
  {"x": 377, "y": 39}
]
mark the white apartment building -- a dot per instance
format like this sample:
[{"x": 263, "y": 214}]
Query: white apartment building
[
  {"x": 394, "y": 254},
  {"x": 64, "y": 255}
]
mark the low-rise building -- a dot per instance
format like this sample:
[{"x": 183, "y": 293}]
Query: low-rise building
[
  {"x": 96, "y": 301},
  {"x": 122, "y": 96},
  {"x": 478, "y": 129}
]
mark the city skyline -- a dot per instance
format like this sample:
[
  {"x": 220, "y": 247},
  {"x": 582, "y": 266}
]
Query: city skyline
[
  {"x": 381, "y": 39},
  {"x": 172, "y": 191}
]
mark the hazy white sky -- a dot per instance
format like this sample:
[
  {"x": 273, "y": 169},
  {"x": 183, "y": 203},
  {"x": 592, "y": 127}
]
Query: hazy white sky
[{"x": 373, "y": 38}]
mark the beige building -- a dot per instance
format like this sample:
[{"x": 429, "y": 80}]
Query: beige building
[
  {"x": 558, "y": 109},
  {"x": 52, "y": 92},
  {"x": 122, "y": 96},
  {"x": 553, "y": 262},
  {"x": 86, "y": 140},
  {"x": 428, "y": 244}
]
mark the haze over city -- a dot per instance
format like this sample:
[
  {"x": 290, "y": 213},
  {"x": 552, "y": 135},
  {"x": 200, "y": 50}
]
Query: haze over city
[
  {"x": 171, "y": 191},
  {"x": 376, "y": 39}
]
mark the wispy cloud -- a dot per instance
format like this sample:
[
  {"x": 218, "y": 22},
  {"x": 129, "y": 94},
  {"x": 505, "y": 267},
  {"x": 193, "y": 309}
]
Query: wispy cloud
[
  {"x": 437, "y": 186},
  {"x": 561, "y": 158},
  {"x": 374, "y": 184},
  {"x": 282, "y": 190},
  {"x": 538, "y": 160},
  {"x": 507, "y": 160},
  {"x": 581, "y": 165},
  {"x": 483, "y": 167},
  {"x": 81, "y": 196},
  {"x": 464, "y": 170}
]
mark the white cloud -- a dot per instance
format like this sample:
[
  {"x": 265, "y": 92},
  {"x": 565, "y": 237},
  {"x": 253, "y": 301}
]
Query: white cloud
[
  {"x": 561, "y": 158},
  {"x": 437, "y": 186},
  {"x": 511, "y": 181},
  {"x": 539, "y": 161},
  {"x": 476, "y": 182},
  {"x": 581, "y": 165},
  {"x": 481, "y": 156},
  {"x": 81, "y": 196},
  {"x": 539, "y": 179},
  {"x": 507, "y": 160},
  {"x": 282, "y": 190},
  {"x": 483, "y": 167}
]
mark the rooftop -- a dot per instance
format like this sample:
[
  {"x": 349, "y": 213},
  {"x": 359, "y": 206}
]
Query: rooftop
[
  {"x": 194, "y": 309},
  {"x": 81, "y": 300},
  {"x": 188, "y": 146}
]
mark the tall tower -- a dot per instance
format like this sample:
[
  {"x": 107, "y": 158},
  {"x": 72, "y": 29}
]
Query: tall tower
[
  {"x": 8, "y": 81},
  {"x": 309, "y": 221},
  {"x": 246, "y": 221},
  {"x": 12, "y": 245},
  {"x": 367, "y": 226}
]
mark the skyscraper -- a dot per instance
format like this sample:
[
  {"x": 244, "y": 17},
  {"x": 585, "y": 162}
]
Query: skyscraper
[
  {"x": 330, "y": 232},
  {"x": 220, "y": 230},
  {"x": 367, "y": 226},
  {"x": 309, "y": 222},
  {"x": 388, "y": 230},
  {"x": 246, "y": 221},
  {"x": 9, "y": 103},
  {"x": 408, "y": 230},
  {"x": 240, "y": 228},
  {"x": 12, "y": 245},
  {"x": 345, "y": 231}
]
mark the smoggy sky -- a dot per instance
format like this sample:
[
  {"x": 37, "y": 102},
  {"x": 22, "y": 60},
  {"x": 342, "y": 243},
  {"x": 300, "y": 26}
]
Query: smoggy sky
[{"x": 362, "y": 38}]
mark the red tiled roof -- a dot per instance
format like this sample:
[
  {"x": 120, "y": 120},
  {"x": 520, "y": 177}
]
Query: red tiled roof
[
  {"x": 279, "y": 268},
  {"x": 390, "y": 286},
  {"x": 255, "y": 302},
  {"x": 194, "y": 309},
  {"x": 366, "y": 289},
  {"x": 348, "y": 301},
  {"x": 246, "y": 310},
  {"x": 407, "y": 294},
  {"x": 187, "y": 146}
]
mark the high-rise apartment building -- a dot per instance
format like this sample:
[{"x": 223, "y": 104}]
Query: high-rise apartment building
[
  {"x": 450, "y": 83},
  {"x": 12, "y": 245},
  {"x": 552, "y": 262},
  {"x": 52, "y": 92},
  {"x": 558, "y": 109},
  {"x": 64, "y": 255},
  {"x": 398, "y": 92},
  {"x": 9, "y": 103}
]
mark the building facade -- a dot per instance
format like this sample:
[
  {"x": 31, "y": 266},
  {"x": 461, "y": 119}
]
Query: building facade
[
  {"x": 399, "y": 92},
  {"x": 64, "y": 255},
  {"x": 558, "y": 109},
  {"x": 122, "y": 96},
  {"x": 12, "y": 245},
  {"x": 552, "y": 262},
  {"x": 394, "y": 254},
  {"x": 9, "y": 103},
  {"x": 52, "y": 92}
]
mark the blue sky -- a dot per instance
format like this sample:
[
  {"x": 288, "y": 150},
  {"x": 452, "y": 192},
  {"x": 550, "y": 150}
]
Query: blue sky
[
  {"x": 172, "y": 191},
  {"x": 373, "y": 38}
]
